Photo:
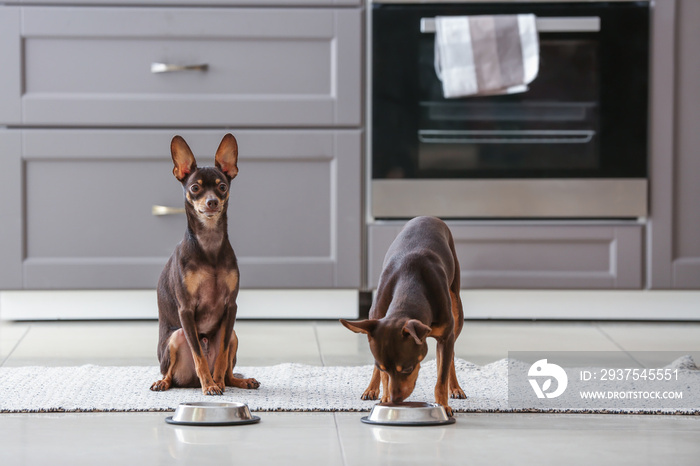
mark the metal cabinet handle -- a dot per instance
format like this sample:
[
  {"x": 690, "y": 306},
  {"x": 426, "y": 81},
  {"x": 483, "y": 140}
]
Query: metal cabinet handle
[
  {"x": 160, "y": 210},
  {"x": 170, "y": 68}
]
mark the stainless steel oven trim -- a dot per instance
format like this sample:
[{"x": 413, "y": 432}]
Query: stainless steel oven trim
[
  {"x": 557, "y": 24},
  {"x": 510, "y": 198}
]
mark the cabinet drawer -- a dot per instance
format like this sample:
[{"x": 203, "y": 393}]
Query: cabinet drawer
[
  {"x": 294, "y": 213},
  {"x": 555, "y": 256},
  {"x": 73, "y": 66}
]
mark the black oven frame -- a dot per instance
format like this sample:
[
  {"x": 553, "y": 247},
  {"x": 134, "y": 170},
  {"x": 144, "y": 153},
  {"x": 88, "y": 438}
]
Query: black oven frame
[{"x": 624, "y": 46}]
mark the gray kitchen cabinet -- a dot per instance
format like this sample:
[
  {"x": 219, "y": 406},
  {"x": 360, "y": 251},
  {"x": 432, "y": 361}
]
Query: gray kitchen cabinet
[
  {"x": 88, "y": 197},
  {"x": 252, "y": 67},
  {"x": 674, "y": 223},
  {"x": 259, "y": 3},
  {"x": 554, "y": 255},
  {"x": 11, "y": 211},
  {"x": 86, "y": 120}
]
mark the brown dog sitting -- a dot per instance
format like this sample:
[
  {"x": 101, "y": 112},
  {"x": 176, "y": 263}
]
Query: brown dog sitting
[
  {"x": 197, "y": 290},
  {"x": 417, "y": 297}
]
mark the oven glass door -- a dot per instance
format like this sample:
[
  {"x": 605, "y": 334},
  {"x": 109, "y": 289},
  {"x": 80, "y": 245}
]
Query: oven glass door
[{"x": 584, "y": 115}]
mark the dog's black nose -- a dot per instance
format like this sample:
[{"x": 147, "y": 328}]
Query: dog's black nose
[{"x": 212, "y": 203}]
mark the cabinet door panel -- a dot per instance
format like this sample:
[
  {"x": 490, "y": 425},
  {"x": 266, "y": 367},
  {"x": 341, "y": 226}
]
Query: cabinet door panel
[
  {"x": 99, "y": 208},
  {"x": 264, "y": 67},
  {"x": 89, "y": 194},
  {"x": 534, "y": 256}
]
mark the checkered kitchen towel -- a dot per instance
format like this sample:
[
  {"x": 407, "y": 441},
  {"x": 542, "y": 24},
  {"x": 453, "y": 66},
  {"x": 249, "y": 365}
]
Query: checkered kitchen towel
[{"x": 486, "y": 55}]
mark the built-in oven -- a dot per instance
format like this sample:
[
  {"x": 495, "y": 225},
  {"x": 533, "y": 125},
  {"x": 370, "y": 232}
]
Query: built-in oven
[{"x": 574, "y": 144}]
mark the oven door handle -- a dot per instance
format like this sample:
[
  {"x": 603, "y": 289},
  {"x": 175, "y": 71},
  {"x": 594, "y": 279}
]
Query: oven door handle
[
  {"x": 544, "y": 24},
  {"x": 428, "y": 136}
]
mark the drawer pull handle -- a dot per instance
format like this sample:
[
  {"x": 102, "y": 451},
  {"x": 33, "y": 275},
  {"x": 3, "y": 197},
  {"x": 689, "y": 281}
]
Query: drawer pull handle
[
  {"x": 170, "y": 68},
  {"x": 160, "y": 210}
]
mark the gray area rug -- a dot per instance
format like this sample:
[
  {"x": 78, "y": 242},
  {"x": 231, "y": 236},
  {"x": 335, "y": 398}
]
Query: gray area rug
[{"x": 284, "y": 387}]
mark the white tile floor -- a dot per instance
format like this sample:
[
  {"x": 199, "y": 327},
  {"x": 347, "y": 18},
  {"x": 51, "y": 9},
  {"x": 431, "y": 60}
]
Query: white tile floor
[{"x": 340, "y": 438}]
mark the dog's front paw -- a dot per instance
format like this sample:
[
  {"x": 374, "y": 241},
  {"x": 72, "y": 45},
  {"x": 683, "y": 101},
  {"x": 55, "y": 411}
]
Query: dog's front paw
[
  {"x": 370, "y": 394},
  {"x": 249, "y": 384},
  {"x": 160, "y": 386},
  {"x": 457, "y": 393},
  {"x": 212, "y": 390},
  {"x": 448, "y": 410}
]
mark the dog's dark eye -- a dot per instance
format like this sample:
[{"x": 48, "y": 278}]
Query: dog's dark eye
[
  {"x": 194, "y": 189},
  {"x": 408, "y": 370},
  {"x": 223, "y": 187}
]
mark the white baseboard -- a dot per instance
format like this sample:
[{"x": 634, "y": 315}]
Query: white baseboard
[
  {"x": 333, "y": 304},
  {"x": 581, "y": 305},
  {"x": 141, "y": 304}
]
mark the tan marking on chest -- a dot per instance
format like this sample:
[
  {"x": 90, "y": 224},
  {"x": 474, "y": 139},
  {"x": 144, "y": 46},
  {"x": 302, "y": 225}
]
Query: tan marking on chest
[
  {"x": 230, "y": 280},
  {"x": 194, "y": 280},
  {"x": 209, "y": 295},
  {"x": 209, "y": 285}
]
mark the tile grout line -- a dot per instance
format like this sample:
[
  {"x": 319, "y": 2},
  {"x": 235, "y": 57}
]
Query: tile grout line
[
  {"x": 340, "y": 440},
  {"x": 14, "y": 348},
  {"x": 318, "y": 345},
  {"x": 601, "y": 330}
]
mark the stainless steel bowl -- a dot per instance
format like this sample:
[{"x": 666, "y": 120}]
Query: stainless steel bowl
[
  {"x": 408, "y": 414},
  {"x": 212, "y": 414}
]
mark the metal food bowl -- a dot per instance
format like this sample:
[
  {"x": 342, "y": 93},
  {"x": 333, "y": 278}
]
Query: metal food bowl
[
  {"x": 408, "y": 414},
  {"x": 212, "y": 414}
]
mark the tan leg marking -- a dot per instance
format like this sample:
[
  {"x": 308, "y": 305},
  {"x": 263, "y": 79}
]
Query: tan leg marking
[
  {"x": 232, "y": 380},
  {"x": 385, "y": 387},
  {"x": 221, "y": 364},
  {"x": 454, "y": 390},
  {"x": 372, "y": 390},
  {"x": 167, "y": 381}
]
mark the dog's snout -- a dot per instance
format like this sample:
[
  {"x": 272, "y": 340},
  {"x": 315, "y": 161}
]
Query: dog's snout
[
  {"x": 398, "y": 391},
  {"x": 212, "y": 203}
]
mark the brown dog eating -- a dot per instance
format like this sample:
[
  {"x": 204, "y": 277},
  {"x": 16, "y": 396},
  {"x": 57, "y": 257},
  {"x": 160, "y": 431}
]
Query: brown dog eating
[
  {"x": 198, "y": 287},
  {"x": 417, "y": 298}
]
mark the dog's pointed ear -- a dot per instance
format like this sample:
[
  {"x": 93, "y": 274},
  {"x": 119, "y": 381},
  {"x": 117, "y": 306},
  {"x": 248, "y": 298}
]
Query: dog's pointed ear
[
  {"x": 182, "y": 158},
  {"x": 227, "y": 156},
  {"x": 361, "y": 326},
  {"x": 416, "y": 329}
]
